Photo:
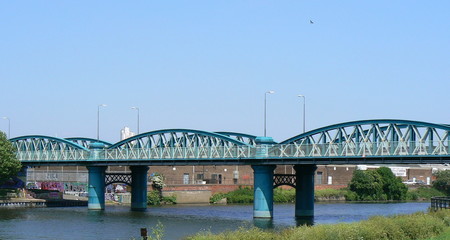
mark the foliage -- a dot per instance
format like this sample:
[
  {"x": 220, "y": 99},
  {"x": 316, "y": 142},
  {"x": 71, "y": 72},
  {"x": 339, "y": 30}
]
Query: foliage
[
  {"x": 367, "y": 185},
  {"x": 330, "y": 194},
  {"x": 169, "y": 199},
  {"x": 241, "y": 195},
  {"x": 154, "y": 198},
  {"x": 157, "y": 232},
  {"x": 379, "y": 184},
  {"x": 423, "y": 193},
  {"x": 284, "y": 195},
  {"x": 217, "y": 197},
  {"x": 393, "y": 186},
  {"x": 9, "y": 164},
  {"x": 245, "y": 195},
  {"x": 442, "y": 182},
  {"x": 414, "y": 226}
]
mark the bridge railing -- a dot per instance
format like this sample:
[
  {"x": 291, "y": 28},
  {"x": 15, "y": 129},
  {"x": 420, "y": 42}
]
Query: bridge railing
[
  {"x": 325, "y": 150},
  {"x": 362, "y": 149},
  {"x": 215, "y": 152},
  {"x": 53, "y": 155}
]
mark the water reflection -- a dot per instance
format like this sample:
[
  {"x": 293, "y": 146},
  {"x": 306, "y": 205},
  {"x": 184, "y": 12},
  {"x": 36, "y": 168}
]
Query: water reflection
[
  {"x": 300, "y": 221},
  {"x": 118, "y": 222},
  {"x": 263, "y": 223}
]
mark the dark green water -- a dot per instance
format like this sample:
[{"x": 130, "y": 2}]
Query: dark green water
[{"x": 118, "y": 222}]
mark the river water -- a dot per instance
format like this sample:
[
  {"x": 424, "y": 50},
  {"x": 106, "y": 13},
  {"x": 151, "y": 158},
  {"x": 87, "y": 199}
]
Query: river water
[{"x": 118, "y": 222}]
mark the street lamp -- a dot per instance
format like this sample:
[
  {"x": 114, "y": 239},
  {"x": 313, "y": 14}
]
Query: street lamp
[
  {"x": 136, "y": 108},
  {"x": 9, "y": 126},
  {"x": 265, "y": 109},
  {"x": 304, "y": 115},
  {"x": 98, "y": 120}
]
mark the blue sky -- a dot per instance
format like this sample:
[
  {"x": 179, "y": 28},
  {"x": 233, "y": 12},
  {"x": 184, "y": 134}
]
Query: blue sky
[{"x": 207, "y": 64}]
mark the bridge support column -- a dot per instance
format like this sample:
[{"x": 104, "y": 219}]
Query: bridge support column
[
  {"x": 139, "y": 187},
  {"x": 304, "y": 192},
  {"x": 263, "y": 191},
  {"x": 96, "y": 194}
]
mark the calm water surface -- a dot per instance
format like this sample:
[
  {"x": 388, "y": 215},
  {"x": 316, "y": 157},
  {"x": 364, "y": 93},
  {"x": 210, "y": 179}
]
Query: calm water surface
[{"x": 118, "y": 222}]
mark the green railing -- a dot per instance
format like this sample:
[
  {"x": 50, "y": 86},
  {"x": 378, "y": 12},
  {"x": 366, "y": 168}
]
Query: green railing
[{"x": 277, "y": 151}]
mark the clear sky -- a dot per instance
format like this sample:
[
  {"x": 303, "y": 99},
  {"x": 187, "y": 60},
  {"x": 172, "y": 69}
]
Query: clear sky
[{"x": 206, "y": 65}]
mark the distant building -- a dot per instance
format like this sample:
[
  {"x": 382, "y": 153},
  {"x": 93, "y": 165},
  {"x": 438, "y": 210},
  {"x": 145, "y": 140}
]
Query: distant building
[{"x": 126, "y": 133}]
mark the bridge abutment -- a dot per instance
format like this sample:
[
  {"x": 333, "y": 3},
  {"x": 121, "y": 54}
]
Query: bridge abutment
[
  {"x": 263, "y": 191},
  {"x": 304, "y": 192},
  {"x": 139, "y": 187},
  {"x": 96, "y": 192}
]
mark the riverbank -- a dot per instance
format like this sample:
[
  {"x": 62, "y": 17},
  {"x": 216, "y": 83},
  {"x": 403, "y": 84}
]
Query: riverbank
[
  {"x": 245, "y": 195},
  {"x": 433, "y": 225}
]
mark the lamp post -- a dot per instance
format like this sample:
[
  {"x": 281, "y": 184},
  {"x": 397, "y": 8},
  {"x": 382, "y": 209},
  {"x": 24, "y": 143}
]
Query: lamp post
[
  {"x": 98, "y": 120},
  {"x": 9, "y": 126},
  {"x": 304, "y": 115},
  {"x": 136, "y": 108},
  {"x": 265, "y": 109}
]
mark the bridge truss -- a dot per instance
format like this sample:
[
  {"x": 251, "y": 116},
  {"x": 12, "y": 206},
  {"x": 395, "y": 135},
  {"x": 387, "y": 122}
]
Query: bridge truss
[{"x": 379, "y": 141}]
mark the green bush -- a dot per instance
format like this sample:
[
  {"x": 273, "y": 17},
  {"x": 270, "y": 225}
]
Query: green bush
[
  {"x": 217, "y": 197},
  {"x": 153, "y": 198},
  {"x": 375, "y": 185},
  {"x": 284, "y": 196},
  {"x": 169, "y": 199},
  {"x": 442, "y": 182}
]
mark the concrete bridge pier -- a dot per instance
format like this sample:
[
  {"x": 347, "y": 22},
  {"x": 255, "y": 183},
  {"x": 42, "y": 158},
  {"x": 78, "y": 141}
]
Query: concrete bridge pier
[
  {"x": 304, "y": 192},
  {"x": 263, "y": 191},
  {"x": 96, "y": 192},
  {"x": 139, "y": 188}
]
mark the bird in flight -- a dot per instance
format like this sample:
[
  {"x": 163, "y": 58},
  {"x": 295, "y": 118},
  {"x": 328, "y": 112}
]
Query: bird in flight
[{"x": 310, "y": 21}]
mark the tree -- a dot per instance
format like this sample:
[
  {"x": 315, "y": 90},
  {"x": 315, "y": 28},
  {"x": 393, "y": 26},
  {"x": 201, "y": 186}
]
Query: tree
[
  {"x": 9, "y": 164},
  {"x": 367, "y": 185},
  {"x": 442, "y": 182},
  {"x": 393, "y": 186},
  {"x": 379, "y": 184}
]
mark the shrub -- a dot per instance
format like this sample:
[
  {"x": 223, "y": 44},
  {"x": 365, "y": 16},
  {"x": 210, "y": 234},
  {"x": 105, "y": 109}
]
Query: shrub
[
  {"x": 217, "y": 197},
  {"x": 153, "y": 198},
  {"x": 379, "y": 184},
  {"x": 442, "y": 182},
  {"x": 169, "y": 199},
  {"x": 284, "y": 196}
]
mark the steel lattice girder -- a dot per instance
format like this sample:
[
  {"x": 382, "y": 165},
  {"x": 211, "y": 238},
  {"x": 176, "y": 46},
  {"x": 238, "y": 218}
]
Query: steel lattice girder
[
  {"x": 85, "y": 142},
  {"x": 177, "y": 138},
  {"x": 396, "y": 139}
]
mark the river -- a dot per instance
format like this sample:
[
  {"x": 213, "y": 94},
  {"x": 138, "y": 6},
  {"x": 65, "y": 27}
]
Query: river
[{"x": 118, "y": 222}]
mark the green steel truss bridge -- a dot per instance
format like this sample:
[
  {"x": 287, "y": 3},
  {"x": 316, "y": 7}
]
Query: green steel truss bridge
[{"x": 358, "y": 142}]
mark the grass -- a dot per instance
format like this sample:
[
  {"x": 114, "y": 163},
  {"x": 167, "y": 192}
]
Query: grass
[
  {"x": 432, "y": 226},
  {"x": 245, "y": 195},
  {"x": 424, "y": 193}
]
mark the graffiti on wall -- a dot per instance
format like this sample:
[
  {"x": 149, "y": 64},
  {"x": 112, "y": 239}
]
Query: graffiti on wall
[{"x": 59, "y": 186}]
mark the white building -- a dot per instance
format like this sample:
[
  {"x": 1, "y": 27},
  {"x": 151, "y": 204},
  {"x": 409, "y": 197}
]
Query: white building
[{"x": 126, "y": 133}]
